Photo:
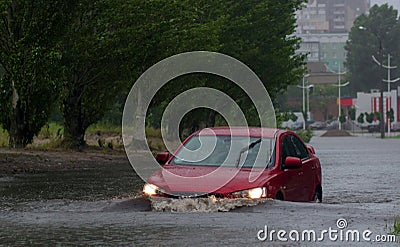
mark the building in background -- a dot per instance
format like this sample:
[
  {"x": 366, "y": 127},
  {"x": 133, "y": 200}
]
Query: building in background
[
  {"x": 330, "y": 16},
  {"x": 324, "y": 27},
  {"x": 369, "y": 102},
  {"x": 327, "y": 48}
]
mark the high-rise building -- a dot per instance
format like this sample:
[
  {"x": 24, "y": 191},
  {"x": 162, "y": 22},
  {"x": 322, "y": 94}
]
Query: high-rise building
[
  {"x": 324, "y": 26},
  {"x": 330, "y": 16}
]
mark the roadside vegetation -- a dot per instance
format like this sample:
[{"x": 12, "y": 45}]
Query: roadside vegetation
[
  {"x": 305, "y": 135},
  {"x": 79, "y": 59},
  {"x": 396, "y": 228}
]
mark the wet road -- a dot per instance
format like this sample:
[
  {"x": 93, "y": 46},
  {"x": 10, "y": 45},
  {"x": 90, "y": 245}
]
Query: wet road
[{"x": 361, "y": 177}]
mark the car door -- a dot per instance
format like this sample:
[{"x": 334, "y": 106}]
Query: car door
[
  {"x": 308, "y": 168},
  {"x": 291, "y": 179}
]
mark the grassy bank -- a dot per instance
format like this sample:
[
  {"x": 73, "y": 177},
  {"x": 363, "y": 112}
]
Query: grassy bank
[
  {"x": 97, "y": 135},
  {"x": 396, "y": 228},
  {"x": 3, "y": 138}
]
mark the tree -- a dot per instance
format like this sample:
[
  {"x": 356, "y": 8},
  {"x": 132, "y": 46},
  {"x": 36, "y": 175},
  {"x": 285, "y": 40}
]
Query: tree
[
  {"x": 110, "y": 43},
  {"x": 30, "y": 75},
  {"x": 352, "y": 113},
  {"x": 342, "y": 117},
  {"x": 259, "y": 33},
  {"x": 382, "y": 25},
  {"x": 369, "y": 117},
  {"x": 390, "y": 115},
  {"x": 377, "y": 115},
  {"x": 360, "y": 118},
  {"x": 93, "y": 67}
]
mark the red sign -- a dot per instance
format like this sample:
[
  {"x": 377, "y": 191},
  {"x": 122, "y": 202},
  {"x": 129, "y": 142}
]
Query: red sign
[{"x": 346, "y": 102}]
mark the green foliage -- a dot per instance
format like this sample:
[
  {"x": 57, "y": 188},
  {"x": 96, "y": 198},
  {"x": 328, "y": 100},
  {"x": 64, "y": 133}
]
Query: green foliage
[
  {"x": 285, "y": 116},
  {"x": 369, "y": 117},
  {"x": 382, "y": 25},
  {"x": 390, "y": 114},
  {"x": 305, "y": 135},
  {"x": 259, "y": 33},
  {"x": 51, "y": 130},
  {"x": 360, "y": 118},
  {"x": 352, "y": 113},
  {"x": 30, "y": 75},
  {"x": 377, "y": 115},
  {"x": 84, "y": 57},
  {"x": 104, "y": 127},
  {"x": 3, "y": 137},
  {"x": 152, "y": 132},
  {"x": 396, "y": 228},
  {"x": 342, "y": 117}
]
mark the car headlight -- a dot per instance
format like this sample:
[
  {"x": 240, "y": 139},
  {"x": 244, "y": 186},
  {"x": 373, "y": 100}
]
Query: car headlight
[
  {"x": 150, "y": 189},
  {"x": 255, "y": 193}
]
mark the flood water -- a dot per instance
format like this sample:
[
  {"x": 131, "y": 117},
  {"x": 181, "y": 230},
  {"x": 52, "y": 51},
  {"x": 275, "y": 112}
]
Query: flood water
[{"x": 101, "y": 206}]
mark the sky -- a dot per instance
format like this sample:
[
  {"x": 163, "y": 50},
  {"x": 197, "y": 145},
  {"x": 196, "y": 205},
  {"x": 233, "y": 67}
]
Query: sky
[{"x": 394, "y": 3}]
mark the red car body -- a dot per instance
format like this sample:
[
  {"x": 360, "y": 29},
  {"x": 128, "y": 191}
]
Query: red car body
[{"x": 292, "y": 175}]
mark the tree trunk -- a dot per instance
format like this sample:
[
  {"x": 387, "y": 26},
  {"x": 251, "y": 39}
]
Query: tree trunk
[
  {"x": 19, "y": 133},
  {"x": 211, "y": 119},
  {"x": 139, "y": 138},
  {"x": 74, "y": 125},
  {"x": 74, "y": 135}
]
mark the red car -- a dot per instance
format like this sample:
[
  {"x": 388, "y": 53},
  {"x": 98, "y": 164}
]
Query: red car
[{"x": 239, "y": 162}]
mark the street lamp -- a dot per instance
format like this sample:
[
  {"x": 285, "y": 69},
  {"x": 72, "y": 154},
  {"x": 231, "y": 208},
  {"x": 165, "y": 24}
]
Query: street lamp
[
  {"x": 339, "y": 73},
  {"x": 381, "y": 120},
  {"x": 306, "y": 87},
  {"x": 340, "y": 104},
  {"x": 389, "y": 80}
]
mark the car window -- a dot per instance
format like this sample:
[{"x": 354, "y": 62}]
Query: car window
[
  {"x": 226, "y": 150},
  {"x": 301, "y": 150},
  {"x": 288, "y": 149}
]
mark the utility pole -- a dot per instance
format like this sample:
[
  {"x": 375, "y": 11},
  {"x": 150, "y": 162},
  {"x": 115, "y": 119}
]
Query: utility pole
[
  {"x": 389, "y": 80},
  {"x": 304, "y": 103},
  {"x": 381, "y": 113},
  {"x": 339, "y": 85}
]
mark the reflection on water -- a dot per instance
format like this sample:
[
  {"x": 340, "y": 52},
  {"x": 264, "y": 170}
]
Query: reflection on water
[{"x": 102, "y": 182}]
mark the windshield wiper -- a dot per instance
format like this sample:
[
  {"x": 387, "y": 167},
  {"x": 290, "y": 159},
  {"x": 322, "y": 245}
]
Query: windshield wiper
[{"x": 246, "y": 149}]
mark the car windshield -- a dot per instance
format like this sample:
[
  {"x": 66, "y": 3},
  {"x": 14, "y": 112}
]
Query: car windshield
[{"x": 214, "y": 151}]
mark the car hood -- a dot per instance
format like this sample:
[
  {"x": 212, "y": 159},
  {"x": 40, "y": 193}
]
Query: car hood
[{"x": 200, "y": 179}]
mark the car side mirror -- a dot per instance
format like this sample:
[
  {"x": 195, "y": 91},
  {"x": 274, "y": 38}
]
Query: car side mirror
[
  {"x": 162, "y": 158},
  {"x": 292, "y": 163},
  {"x": 310, "y": 149}
]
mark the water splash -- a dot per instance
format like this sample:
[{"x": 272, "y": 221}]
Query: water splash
[{"x": 210, "y": 204}]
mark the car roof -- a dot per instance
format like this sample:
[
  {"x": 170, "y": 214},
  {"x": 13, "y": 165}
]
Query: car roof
[{"x": 240, "y": 131}]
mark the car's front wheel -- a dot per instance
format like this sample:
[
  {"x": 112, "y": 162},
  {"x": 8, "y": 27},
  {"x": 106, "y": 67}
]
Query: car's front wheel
[{"x": 318, "y": 195}]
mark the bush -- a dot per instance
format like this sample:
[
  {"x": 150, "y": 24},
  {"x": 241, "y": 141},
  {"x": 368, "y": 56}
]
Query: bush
[
  {"x": 305, "y": 135},
  {"x": 396, "y": 228},
  {"x": 3, "y": 138}
]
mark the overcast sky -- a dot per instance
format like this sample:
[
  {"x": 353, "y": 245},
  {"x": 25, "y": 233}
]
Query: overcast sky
[{"x": 394, "y": 3}]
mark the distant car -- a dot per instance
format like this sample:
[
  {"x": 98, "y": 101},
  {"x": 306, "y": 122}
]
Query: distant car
[
  {"x": 308, "y": 123},
  {"x": 395, "y": 126},
  {"x": 297, "y": 125},
  {"x": 333, "y": 125},
  {"x": 318, "y": 125},
  {"x": 292, "y": 172},
  {"x": 375, "y": 127}
]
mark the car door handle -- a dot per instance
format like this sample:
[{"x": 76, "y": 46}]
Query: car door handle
[{"x": 301, "y": 173}]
